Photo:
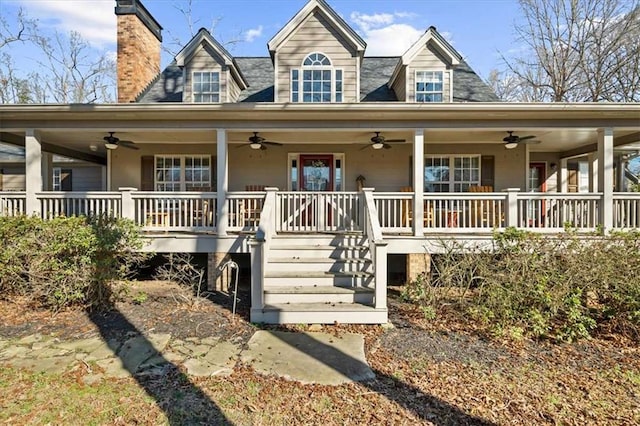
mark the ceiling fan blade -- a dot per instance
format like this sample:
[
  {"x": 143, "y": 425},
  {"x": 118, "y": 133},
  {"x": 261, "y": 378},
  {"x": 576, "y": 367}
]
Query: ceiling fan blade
[
  {"x": 524, "y": 138},
  {"x": 386, "y": 146},
  {"x": 272, "y": 143},
  {"x": 365, "y": 147},
  {"x": 128, "y": 144},
  {"x": 395, "y": 140},
  {"x": 529, "y": 142}
]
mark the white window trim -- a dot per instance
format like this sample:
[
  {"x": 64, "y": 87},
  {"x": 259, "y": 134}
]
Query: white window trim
[
  {"x": 415, "y": 85},
  {"x": 56, "y": 171},
  {"x": 193, "y": 82},
  {"x": 451, "y": 182},
  {"x": 183, "y": 163},
  {"x": 301, "y": 70},
  {"x": 336, "y": 156}
]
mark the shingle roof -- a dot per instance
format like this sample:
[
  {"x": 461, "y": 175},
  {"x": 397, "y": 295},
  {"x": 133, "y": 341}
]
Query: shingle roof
[{"x": 375, "y": 73}]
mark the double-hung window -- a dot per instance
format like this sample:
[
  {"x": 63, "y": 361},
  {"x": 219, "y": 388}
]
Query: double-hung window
[
  {"x": 429, "y": 86},
  {"x": 451, "y": 173},
  {"x": 206, "y": 86},
  {"x": 316, "y": 81},
  {"x": 182, "y": 173}
]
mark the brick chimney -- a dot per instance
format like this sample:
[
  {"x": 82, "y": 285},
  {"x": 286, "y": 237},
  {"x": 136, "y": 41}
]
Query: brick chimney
[{"x": 139, "y": 41}]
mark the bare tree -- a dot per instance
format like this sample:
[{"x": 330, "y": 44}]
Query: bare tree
[
  {"x": 578, "y": 50},
  {"x": 69, "y": 69}
]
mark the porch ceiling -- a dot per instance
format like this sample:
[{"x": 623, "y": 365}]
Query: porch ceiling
[{"x": 90, "y": 141}]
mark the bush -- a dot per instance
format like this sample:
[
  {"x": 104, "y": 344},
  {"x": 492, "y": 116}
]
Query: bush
[
  {"x": 66, "y": 261},
  {"x": 562, "y": 287}
]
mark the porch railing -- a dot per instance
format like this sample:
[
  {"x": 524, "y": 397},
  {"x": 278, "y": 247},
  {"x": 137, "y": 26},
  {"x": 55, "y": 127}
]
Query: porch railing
[
  {"x": 12, "y": 203},
  {"x": 53, "y": 204},
  {"x": 626, "y": 210},
  {"x": 554, "y": 212},
  {"x": 173, "y": 210},
  {"x": 377, "y": 246},
  {"x": 244, "y": 210},
  {"x": 318, "y": 211}
]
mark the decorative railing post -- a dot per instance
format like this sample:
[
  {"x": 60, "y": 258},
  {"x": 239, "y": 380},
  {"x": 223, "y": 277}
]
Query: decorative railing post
[
  {"x": 260, "y": 250},
  {"x": 128, "y": 206},
  {"x": 511, "y": 211},
  {"x": 377, "y": 248}
]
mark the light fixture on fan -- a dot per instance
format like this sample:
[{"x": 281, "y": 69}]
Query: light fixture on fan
[
  {"x": 110, "y": 145},
  {"x": 255, "y": 145},
  {"x": 377, "y": 145},
  {"x": 511, "y": 145}
]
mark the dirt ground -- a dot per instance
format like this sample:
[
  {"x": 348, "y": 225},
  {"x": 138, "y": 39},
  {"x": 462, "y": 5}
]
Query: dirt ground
[{"x": 441, "y": 371}]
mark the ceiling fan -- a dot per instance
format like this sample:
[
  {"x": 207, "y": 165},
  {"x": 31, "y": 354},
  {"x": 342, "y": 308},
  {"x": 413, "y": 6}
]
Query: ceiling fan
[
  {"x": 112, "y": 142},
  {"x": 258, "y": 142},
  {"x": 379, "y": 142},
  {"x": 512, "y": 140}
]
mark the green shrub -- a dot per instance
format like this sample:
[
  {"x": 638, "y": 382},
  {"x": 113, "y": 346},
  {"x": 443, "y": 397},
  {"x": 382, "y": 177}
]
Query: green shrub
[
  {"x": 66, "y": 261},
  {"x": 562, "y": 287}
]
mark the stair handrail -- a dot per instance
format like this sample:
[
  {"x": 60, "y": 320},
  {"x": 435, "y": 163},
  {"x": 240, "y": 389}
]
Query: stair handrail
[
  {"x": 377, "y": 247},
  {"x": 260, "y": 248}
]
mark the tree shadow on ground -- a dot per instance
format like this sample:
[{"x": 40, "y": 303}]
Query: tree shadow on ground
[
  {"x": 426, "y": 407},
  {"x": 173, "y": 392}
]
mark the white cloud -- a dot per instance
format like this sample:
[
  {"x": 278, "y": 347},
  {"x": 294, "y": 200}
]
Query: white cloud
[
  {"x": 93, "y": 19},
  {"x": 392, "y": 40},
  {"x": 385, "y": 36},
  {"x": 367, "y": 22},
  {"x": 253, "y": 34}
]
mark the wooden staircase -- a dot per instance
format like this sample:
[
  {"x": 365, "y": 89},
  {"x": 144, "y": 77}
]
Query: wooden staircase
[{"x": 320, "y": 278}]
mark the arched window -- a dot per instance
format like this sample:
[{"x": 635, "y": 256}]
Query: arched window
[{"x": 316, "y": 80}]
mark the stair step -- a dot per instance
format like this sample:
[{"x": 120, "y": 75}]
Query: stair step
[
  {"x": 319, "y": 313},
  {"x": 317, "y": 274},
  {"x": 297, "y": 259},
  {"x": 320, "y": 289},
  {"x": 317, "y": 294}
]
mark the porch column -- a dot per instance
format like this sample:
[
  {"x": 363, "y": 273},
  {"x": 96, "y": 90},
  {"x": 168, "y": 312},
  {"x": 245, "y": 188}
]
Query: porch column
[
  {"x": 563, "y": 175},
  {"x": 33, "y": 170},
  {"x": 592, "y": 160},
  {"x": 223, "y": 182},
  {"x": 605, "y": 176},
  {"x": 418, "y": 182},
  {"x": 47, "y": 171}
]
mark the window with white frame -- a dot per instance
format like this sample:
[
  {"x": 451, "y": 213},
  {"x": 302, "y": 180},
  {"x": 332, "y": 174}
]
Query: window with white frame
[
  {"x": 451, "y": 173},
  {"x": 429, "y": 86},
  {"x": 182, "y": 173},
  {"x": 206, "y": 86},
  {"x": 316, "y": 81},
  {"x": 57, "y": 179}
]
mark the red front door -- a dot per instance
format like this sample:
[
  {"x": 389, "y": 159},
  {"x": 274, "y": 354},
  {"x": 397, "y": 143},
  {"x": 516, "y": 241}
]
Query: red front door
[{"x": 316, "y": 172}]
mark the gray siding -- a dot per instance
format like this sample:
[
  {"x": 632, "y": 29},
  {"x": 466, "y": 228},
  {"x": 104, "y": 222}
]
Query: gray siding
[
  {"x": 86, "y": 178},
  {"x": 428, "y": 60},
  {"x": 400, "y": 85},
  {"x": 317, "y": 35},
  {"x": 205, "y": 59},
  {"x": 234, "y": 89}
]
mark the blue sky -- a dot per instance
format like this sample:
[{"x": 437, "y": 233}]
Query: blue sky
[{"x": 478, "y": 29}]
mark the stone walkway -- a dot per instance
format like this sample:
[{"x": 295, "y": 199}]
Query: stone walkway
[{"x": 306, "y": 357}]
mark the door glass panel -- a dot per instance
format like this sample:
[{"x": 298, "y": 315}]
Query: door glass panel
[{"x": 316, "y": 174}]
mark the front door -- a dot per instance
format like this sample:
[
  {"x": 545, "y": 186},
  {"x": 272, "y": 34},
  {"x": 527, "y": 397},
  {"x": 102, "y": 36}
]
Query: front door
[
  {"x": 316, "y": 172},
  {"x": 537, "y": 183}
]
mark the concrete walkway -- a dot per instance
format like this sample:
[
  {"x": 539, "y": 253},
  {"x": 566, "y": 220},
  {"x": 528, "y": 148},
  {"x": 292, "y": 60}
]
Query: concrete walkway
[{"x": 305, "y": 357}]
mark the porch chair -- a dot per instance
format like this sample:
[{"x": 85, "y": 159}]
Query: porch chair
[
  {"x": 483, "y": 214},
  {"x": 407, "y": 211}
]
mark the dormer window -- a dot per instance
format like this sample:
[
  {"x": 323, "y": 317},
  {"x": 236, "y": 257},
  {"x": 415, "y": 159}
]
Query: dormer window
[
  {"x": 316, "y": 80},
  {"x": 429, "y": 86},
  {"x": 206, "y": 86}
]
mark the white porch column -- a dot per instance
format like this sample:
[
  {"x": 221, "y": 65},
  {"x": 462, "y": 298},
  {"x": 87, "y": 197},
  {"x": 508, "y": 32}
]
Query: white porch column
[
  {"x": 563, "y": 175},
  {"x": 33, "y": 170},
  {"x": 418, "y": 182},
  {"x": 223, "y": 182},
  {"x": 605, "y": 176},
  {"x": 592, "y": 160}
]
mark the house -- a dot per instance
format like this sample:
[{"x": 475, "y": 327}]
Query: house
[{"x": 324, "y": 163}]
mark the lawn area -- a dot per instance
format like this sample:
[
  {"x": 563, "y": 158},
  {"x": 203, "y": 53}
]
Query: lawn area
[{"x": 440, "y": 371}]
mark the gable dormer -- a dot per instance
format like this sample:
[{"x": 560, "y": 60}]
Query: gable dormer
[
  {"x": 211, "y": 74},
  {"x": 316, "y": 57},
  {"x": 425, "y": 72}
]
